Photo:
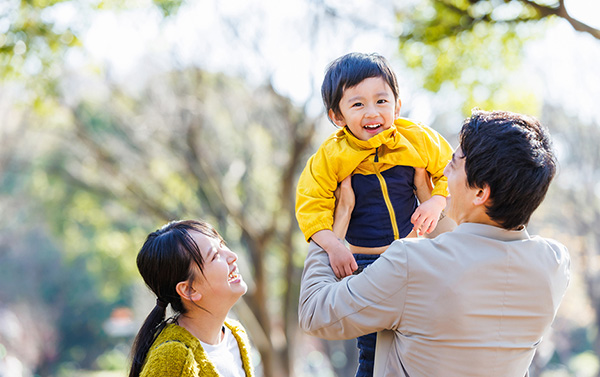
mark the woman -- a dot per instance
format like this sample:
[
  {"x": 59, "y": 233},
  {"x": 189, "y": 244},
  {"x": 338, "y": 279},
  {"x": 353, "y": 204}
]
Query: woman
[{"x": 188, "y": 266}]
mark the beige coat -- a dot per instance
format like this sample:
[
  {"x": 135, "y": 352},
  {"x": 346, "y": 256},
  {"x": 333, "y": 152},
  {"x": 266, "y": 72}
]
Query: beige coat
[{"x": 472, "y": 302}]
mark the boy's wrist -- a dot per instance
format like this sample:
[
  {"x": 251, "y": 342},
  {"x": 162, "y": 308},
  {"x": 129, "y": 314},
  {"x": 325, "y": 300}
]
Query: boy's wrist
[
  {"x": 328, "y": 240},
  {"x": 439, "y": 200}
]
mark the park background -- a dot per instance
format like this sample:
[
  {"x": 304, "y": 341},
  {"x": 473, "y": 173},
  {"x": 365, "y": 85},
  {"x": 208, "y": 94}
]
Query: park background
[{"x": 118, "y": 116}]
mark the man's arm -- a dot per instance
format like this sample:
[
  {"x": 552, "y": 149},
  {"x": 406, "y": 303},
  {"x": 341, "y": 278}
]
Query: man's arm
[{"x": 357, "y": 305}]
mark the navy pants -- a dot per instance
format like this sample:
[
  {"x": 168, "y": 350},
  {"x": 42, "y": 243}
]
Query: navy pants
[{"x": 365, "y": 343}]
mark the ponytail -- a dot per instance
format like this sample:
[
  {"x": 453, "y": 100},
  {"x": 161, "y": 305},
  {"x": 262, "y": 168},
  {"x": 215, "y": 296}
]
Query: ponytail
[
  {"x": 153, "y": 325},
  {"x": 164, "y": 260}
]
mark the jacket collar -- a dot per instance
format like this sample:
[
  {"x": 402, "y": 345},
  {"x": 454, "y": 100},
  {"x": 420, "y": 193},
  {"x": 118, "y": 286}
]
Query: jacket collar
[
  {"x": 490, "y": 231},
  {"x": 387, "y": 137}
]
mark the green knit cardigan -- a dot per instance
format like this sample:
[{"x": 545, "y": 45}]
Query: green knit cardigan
[{"x": 176, "y": 352}]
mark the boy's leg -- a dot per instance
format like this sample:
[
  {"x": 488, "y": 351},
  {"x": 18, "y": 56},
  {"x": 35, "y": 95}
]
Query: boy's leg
[
  {"x": 366, "y": 343},
  {"x": 366, "y": 354}
]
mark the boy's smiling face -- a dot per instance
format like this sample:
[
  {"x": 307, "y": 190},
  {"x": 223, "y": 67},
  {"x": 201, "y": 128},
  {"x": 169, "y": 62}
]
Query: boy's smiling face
[{"x": 367, "y": 108}]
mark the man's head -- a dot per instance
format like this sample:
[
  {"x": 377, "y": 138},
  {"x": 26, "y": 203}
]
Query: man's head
[
  {"x": 350, "y": 70},
  {"x": 508, "y": 161}
]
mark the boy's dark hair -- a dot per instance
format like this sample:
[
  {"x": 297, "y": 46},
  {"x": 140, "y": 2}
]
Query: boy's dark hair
[
  {"x": 512, "y": 154},
  {"x": 350, "y": 70}
]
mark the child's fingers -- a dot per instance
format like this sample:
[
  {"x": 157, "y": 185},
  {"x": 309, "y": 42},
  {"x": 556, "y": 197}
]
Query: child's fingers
[
  {"x": 348, "y": 271},
  {"x": 337, "y": 273},
  {"x": 432, "y": 226},
  {"x": 418, "y": 224},
  {"x": 415, "y": 217}
]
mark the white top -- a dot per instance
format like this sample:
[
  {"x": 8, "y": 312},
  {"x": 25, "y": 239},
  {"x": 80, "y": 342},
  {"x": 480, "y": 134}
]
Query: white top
[{"x": 226, "y": 355}]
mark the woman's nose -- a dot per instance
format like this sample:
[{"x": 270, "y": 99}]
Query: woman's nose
[{"x": 231, "y": 257}]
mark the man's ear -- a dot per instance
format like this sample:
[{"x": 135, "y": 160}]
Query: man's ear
[
  {"x": 482, "y": 195},
  {"x": 337, "y": 119},
  {"x": 187, "y": 292}
]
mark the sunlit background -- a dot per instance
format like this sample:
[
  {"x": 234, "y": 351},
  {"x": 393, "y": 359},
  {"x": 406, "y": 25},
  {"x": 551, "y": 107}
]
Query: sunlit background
[{"x": 118, "y": 116}]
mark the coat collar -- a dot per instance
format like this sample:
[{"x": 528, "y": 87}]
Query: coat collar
[
  {"x": 388, "y": 137},
  {"x": 490, "y": 231}
]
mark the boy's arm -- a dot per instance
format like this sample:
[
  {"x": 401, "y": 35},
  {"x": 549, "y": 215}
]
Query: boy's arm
[
  {"x": 427, "y": 214},
  {"x": 315, "y": 201},
  {"x": 340, "y": 258},
  {"x": 438, "y": 153},
  {"x": 344, "y": 205}
]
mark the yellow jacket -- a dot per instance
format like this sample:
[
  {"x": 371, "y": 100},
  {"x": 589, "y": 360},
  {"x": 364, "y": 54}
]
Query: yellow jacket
[
  {"x": 176, "y": 352},
  {"x": 406, "y": 143}
]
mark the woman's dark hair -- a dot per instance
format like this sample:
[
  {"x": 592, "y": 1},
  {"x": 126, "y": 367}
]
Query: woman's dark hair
[
  {"x": 350, "y": 70},
  {"x": 165, "y": 259},
  {"x": 512, "y": 154}
]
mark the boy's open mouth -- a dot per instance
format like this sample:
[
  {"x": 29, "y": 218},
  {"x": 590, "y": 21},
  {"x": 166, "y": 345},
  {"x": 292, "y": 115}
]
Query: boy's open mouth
[{"x": 372, "y": 126}]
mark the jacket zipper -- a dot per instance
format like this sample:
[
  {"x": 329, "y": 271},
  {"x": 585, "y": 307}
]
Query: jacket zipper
[{"x": 386, "y": 195}]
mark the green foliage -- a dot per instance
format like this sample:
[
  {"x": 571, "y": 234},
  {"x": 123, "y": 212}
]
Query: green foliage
[
  {"x": 32, "y": 44},
  {"x": 472, "y": 47}
]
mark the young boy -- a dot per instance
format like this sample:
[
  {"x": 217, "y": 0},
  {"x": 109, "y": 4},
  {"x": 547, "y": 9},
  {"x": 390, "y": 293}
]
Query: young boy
[{"x": 381, "y": 152}]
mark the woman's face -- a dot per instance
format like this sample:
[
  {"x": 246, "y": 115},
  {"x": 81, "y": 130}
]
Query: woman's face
[{"x": 220, "y": 283}]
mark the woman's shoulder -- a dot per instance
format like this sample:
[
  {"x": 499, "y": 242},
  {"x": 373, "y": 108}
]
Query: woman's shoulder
[{"x": 171, "y": 351}]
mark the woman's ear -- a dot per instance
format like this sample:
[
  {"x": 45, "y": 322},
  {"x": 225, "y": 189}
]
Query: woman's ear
[
  {"x": 337, "y": 119},
  {"x": 186, "y": 291}
]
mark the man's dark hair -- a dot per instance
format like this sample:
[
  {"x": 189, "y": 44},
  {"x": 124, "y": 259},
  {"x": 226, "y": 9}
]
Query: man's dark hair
[
  {"x": 350, "y": 70},
  {"x": 513, "y": 155}
]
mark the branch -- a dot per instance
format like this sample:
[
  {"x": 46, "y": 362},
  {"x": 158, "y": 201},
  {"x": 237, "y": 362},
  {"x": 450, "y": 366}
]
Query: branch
[{"x": 561, "y": 11}]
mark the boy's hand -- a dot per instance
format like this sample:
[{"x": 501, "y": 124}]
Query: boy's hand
[
  {"x": 340, "y": 258},
  {"x": 342, "y": 262},
  {"x": 426, "y": 215}
]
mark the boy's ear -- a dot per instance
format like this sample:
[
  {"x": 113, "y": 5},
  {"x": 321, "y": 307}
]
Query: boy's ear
[
  {"x": 337, "y": 119},
  {"x": 482, "y": 196},
  {"x": 187, "y": 292},
  {"x": 398, "y": 106}
]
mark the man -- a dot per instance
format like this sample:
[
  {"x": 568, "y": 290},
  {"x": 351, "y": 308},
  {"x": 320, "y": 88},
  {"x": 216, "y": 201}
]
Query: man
[{"x": 472, "y": 302}]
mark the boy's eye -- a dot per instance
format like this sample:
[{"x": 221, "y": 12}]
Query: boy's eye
[
  {"x": 357, "y": 104},
  {"x": 382, "y": 101}
]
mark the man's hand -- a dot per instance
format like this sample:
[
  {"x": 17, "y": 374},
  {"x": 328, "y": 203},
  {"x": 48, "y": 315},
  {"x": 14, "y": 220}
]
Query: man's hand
[
  {"x": 426, "y": 215},
  {"x": 340, "y": 258}
]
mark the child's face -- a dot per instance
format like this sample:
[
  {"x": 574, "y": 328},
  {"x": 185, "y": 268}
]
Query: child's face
[{"x": 367, "y": 108}]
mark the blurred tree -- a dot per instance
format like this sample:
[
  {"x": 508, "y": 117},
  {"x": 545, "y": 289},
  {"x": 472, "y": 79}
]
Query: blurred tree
[
  {"x": 573, "y": 216},
  {"x": 193, "y": 145},
  {"x": 472, "y": 46}
]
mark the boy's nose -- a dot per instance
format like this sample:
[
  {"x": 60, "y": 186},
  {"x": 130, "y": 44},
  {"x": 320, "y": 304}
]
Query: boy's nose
[{"x": 371, "y": 111}]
